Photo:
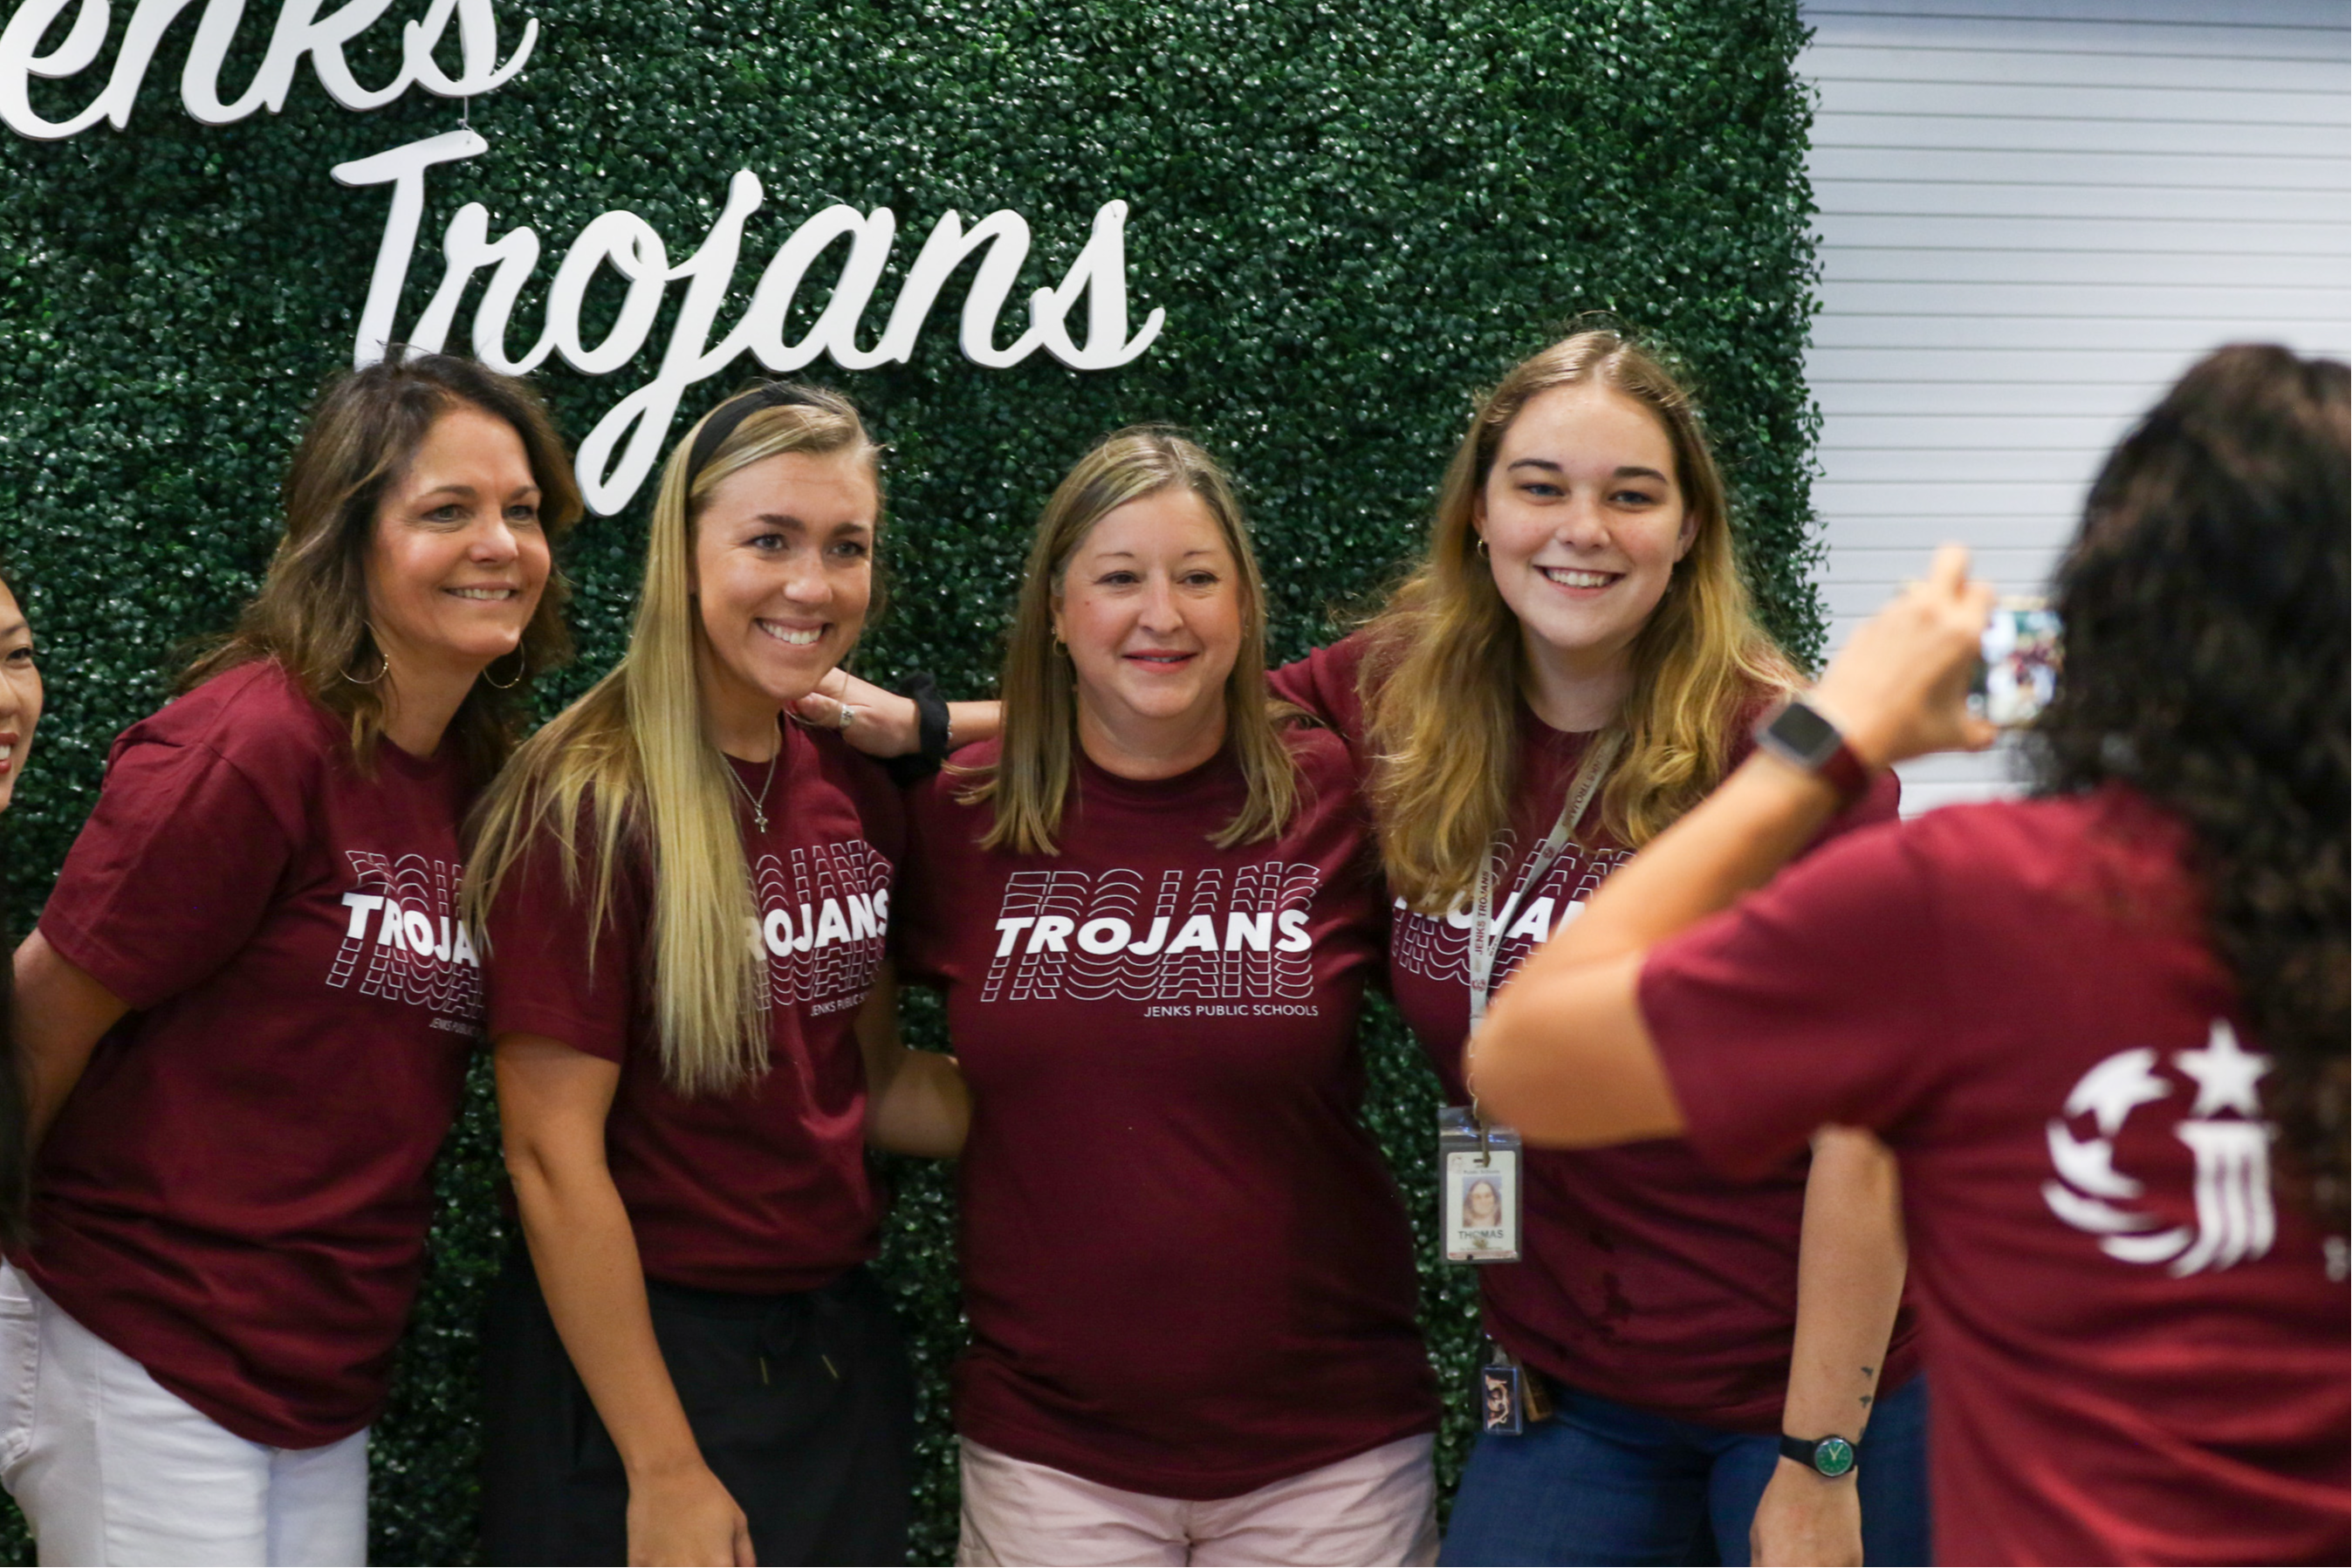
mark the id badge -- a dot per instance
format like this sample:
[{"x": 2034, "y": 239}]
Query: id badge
[{"x": 1478, "y": 1189}]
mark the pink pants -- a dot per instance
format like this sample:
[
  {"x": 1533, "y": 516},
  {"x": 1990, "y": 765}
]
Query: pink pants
[{"x": 1378, "y": 1507}]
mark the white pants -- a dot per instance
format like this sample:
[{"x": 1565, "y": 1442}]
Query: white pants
[
  {"x": 110, "y": 1467},
  {"x": 1379, "y": 1508}
]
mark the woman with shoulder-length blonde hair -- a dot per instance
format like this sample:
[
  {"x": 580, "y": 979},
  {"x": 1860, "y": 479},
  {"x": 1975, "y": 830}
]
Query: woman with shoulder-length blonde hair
[
  {"x": 247, "y": 1012},
  {"x": 1149, "y": 905},
  {"x": 1571, "y": 666},
  {"x": 687, "y": 901}
]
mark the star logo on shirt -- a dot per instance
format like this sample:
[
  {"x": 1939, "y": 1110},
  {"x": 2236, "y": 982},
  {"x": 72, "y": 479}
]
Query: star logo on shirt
[
  {"x": 2225, "y": 1073},
  {"x": 2236, "y": 1220}
]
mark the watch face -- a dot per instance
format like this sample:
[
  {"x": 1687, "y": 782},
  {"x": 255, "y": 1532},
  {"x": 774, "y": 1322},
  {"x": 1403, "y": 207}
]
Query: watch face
[
  {"x": 1805, "y": 732},
  {"x": 1833, "y": 1456}
]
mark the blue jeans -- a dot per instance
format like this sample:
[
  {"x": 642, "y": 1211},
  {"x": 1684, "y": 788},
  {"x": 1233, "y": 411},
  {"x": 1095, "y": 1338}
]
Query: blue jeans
[{"x": 1602, "y": 1482}]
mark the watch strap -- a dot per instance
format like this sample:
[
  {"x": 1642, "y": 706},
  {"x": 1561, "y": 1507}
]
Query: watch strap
[
  {"x": 1831, "y": 1457},
  {"x": 1802, "y": 736},
  {"x": 1844, "y": 773}
]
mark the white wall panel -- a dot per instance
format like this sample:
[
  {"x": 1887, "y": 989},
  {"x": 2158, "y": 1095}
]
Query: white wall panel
[{"x": 2034, "y": 213}]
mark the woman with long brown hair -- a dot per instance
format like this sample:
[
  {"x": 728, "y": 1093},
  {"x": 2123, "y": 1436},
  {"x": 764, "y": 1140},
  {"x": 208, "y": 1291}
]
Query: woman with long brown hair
[
  {"x": 2103, "y": 1028},
  {"x": 247, "y": 1010},
  {"x": 1189, "y": 1276},
  {"x": 1572, "y": 666}
]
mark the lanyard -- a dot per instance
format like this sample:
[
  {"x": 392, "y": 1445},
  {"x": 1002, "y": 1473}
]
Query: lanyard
[{"x": 1487, "y": 927}]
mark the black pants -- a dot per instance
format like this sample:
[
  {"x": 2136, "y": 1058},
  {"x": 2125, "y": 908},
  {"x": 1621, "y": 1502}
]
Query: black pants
[{"x": 802, "y": 1403}]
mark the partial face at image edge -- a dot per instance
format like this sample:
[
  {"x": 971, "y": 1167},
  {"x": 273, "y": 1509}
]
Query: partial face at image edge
[{"x": 20, "y": 693}]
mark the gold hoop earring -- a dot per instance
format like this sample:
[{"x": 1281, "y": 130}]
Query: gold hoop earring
[
  {"x": 521, "y": 667},
  {"x": 382, "y": 669},
  {"x": 1482, "y": 548}
]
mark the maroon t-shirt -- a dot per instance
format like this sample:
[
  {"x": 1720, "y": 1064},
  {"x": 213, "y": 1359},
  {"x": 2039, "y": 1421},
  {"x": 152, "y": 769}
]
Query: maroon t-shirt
[
  {"x": 763, "y": 1190},
  {"x": 2140, "y": 1355},
  {"x": 1187, "y": 1270},
  {"x": 234, "y": 1195},
  {"x": 1644, "y": 1277}
]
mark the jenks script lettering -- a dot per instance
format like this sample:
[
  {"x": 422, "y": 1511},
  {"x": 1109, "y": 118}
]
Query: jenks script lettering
[{"x": 623, "y": 449}]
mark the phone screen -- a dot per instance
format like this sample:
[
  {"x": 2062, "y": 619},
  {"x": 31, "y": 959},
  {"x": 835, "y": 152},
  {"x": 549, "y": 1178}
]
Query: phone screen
[{"x": 2018, "y": 675}]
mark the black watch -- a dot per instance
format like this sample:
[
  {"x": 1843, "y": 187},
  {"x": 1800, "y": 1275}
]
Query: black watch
[
  {"x": 1832, "y": 1456},
  {"x": 1800, "y": 736}
]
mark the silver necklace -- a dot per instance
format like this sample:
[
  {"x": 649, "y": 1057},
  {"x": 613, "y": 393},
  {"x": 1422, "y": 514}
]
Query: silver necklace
[{"x": 759, "y": 803}]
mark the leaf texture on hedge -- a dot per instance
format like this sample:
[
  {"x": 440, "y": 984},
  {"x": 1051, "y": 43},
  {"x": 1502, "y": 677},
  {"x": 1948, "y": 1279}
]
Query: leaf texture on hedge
[{"x": 1354, "y": 215}]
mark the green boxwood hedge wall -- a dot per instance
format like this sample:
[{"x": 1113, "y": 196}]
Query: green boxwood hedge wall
[{"x": 1353, "y": 214}]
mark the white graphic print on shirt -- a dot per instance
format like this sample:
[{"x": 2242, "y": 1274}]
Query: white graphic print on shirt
[
  {"x": 2224, "y": 1130},
  {"x": 403, "y": 941},
  {"x": 823, "y": 919},
  {"x": 1438, "y": 947},
  {"x": 1177, "y": 935}
]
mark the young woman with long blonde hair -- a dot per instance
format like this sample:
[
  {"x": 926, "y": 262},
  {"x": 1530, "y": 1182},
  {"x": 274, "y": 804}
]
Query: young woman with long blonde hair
[
  {"x": 1573, "y": 666},
  {"x": 685, "y": 900},
  {"x": 1152, "y": 909}
]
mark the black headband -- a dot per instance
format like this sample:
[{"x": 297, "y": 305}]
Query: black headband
[{"x": 735, "y": 410}]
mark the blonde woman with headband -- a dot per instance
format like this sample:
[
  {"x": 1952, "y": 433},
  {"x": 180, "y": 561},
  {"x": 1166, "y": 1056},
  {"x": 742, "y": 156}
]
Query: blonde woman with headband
[
  {"x": 1188, "y": 1276},
  {"x": 687, "y": 901},
  {"x": 1571, "y": 667}
]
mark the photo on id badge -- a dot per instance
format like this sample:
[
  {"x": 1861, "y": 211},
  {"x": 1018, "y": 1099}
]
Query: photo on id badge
[{"x": 1481, "y": 1206}]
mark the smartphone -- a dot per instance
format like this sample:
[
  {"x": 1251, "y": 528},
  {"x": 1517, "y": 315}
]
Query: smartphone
[{"x": 2018, "y": 674}]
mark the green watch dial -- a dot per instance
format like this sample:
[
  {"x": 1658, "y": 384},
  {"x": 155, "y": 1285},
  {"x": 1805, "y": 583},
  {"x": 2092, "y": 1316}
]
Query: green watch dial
[{"x": 1833, "y": 1456}]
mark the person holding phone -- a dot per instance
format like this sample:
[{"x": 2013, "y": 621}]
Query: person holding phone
[
  {"x": 2104, "y": 1027},
  {"x": 247, "y": 1010},
  {"x": 1152, "y": 912},
  {"x": 687, "y": 901}
]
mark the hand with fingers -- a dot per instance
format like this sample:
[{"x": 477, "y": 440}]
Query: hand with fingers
[
  {"x": 878, "y": 723},
  {"x": 1806, "y": 1521},
  {"x": 1899, "y": 689},
  {"x": 687, "y": 1516}
]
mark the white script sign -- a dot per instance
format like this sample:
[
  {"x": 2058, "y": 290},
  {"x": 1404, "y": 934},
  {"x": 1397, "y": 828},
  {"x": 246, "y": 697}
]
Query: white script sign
[{"x": 629, "y": 440}]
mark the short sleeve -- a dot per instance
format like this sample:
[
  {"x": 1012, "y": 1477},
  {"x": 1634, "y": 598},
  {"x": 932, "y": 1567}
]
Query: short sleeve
[
  {"x": 916, "y": 936},
  {"x": 881, "y": 804},
  {"x": 171, "y": 875},
  {"x": 1324, "y": 683},
  {"x": 545, "y": 976},
  {"x": 1804, "y": 1003}
]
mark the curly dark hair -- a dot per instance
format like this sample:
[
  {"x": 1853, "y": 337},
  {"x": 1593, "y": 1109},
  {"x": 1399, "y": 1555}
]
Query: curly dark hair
[{"x": 2206, "y": 624}]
